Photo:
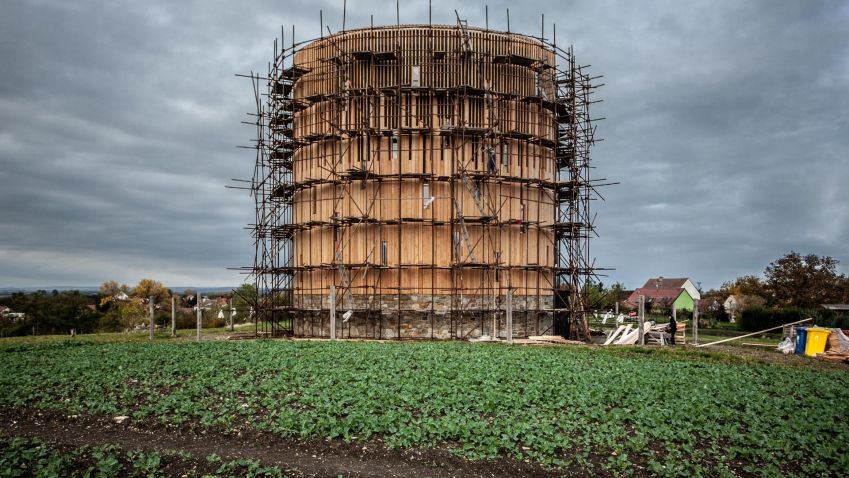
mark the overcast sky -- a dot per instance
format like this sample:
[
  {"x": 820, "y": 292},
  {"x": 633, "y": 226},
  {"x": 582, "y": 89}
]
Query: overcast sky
[{"x": 727, "y": 127}]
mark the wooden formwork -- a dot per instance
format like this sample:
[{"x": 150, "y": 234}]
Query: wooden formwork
[{"x": 425, "y": 161}]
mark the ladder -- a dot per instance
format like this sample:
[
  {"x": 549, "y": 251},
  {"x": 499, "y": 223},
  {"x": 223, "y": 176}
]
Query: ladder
[
  {"x": 466, "y": 39},
  {"x": 465, "y": 233},
  {"x": 345, "y": 279},
  {"x": 474, "y": 192}
]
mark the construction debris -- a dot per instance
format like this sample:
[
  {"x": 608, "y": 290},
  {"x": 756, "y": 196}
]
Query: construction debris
[
  {"x": 832, "y": 356},
  {"x": 626, "y": 334},
  {"x": 547, "y": 340}
]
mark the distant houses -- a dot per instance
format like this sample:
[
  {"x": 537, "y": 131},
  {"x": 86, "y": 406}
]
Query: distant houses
[
  {"x": 8, "y": 314},
  {"x": 667, "y": 293}
]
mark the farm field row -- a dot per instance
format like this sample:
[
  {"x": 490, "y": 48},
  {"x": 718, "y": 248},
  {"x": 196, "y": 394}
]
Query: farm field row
[
  {"x": 23, "y": 456},
  {"x": 670, "y": 413}
]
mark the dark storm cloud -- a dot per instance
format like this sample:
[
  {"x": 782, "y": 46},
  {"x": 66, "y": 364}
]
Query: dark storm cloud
[{"x": 726, "y": 126}]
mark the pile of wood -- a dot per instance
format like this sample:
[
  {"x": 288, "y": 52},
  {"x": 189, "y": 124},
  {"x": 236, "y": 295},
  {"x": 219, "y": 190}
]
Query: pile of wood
[
  {"x": 629, "y": 334},
  {"x": 626, "y": 334},
  {"x": 834, "y": 356},
  {"x": 546, "y": 340}
]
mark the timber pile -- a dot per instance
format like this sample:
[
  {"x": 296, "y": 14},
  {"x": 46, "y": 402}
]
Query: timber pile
[
  {"x": 832, "y": 356},
  {"x": 626, "y": 334},
  {"x": 547, "y": 340},
  {"x": 243, "y": 336}
]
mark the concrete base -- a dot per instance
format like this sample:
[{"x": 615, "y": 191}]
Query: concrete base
[{"x": 422, "y": 317}]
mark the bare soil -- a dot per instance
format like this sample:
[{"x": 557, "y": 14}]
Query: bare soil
[{"x": 299, "y": 458}]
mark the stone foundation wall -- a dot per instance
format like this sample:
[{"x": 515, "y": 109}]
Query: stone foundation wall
[{"x": 421, "y": 317}]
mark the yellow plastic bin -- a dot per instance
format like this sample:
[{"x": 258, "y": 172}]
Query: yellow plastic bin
[{"x": 817, "y": 339}]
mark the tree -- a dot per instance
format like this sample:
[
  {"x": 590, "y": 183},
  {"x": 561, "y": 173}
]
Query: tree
[
  {"x": 109, "y": 292},
  {"x": 147, "y": 288},
  {"x": 594, "y": 294},
  {"x": 57, "y": 312},
  {"x": 617, "y": 293},
  {"x": 111, "y": 288},
  {"x": 130, "y": 312},
  {"x": 745, "y": 285},
  {"x": 804, "y": 281},
  {"x": 189, "y": 298},
  {"x": 243, "y": 299}
]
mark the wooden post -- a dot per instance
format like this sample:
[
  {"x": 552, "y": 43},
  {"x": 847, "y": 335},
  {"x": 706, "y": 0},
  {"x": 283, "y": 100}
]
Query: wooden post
[
  {"x": 641, "y": 319},
  {"x": 509, "y": 316},
  {"x": 200, "y": 315},
  {"x": 232, "y": 325},
  {"x": 696, "y": 322},
  {"x": 332, "y": 312},
  {"x": 616, "y": 309},
  {"x": 173, "y": 316},
  {"x": 150, "y": 313}
]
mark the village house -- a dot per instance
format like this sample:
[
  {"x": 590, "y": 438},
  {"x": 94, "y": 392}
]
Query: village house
[{"x": 671, "y": 293}]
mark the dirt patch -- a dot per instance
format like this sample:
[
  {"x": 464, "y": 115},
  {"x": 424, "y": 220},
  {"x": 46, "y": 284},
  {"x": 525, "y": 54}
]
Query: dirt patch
[{"x": 298, "y": 458}]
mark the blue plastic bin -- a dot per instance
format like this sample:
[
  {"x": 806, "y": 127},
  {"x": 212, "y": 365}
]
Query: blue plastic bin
[{"x": 801, "y": 339}]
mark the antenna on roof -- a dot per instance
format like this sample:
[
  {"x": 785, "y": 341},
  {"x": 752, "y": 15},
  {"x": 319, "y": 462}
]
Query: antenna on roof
[
  {"x": 321, "y": 23},
  {"x": 344, "y": 11}
]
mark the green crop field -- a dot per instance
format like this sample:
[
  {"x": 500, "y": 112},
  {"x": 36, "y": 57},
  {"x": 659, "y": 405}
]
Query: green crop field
[
  {"x": 611, "y": 411},
  {"x": 34, "y": 457}
]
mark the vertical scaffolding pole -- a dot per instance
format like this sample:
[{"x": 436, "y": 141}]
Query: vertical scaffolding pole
[
  {"x": 509, "y": 316},
  {"x": 332, "y": 304}
]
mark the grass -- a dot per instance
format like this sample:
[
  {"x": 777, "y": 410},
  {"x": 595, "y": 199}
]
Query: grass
[
  {"x": 127, "y": 337},
  {"x": 666, "y": 411}
]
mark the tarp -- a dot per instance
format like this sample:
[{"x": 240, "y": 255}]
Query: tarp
[{"x": 838, "y": 341}]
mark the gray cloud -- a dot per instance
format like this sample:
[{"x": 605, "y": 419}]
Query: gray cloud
[{"x": 726, "y": 126}]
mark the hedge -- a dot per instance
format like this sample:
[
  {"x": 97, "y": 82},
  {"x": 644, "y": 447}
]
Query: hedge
[{"x": 760, "y": 318}]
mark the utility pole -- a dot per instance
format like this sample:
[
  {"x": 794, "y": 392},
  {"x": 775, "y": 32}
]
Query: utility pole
[
  {"x": 173, "y": 316},
  {"x": 150, "y": 312}
]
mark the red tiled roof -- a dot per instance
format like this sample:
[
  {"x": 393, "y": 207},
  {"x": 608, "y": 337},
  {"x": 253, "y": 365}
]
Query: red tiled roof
[
  {"x": 665, "y": 283},
  {"x": 655, "y": 295}
]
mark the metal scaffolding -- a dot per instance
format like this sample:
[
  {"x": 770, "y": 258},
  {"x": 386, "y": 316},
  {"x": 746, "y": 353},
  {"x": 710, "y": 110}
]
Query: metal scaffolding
[{"x": 499, "y": 126}]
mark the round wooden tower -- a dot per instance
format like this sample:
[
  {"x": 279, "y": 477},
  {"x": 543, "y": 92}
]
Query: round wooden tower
[{"x": 423, "y": 182}]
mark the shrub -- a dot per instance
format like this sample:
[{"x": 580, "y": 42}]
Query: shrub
[{"x": 760, "y": 318}]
